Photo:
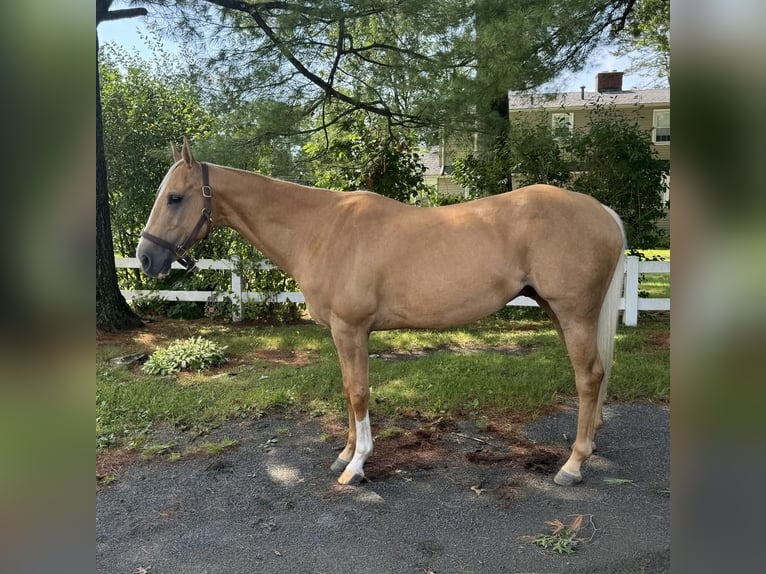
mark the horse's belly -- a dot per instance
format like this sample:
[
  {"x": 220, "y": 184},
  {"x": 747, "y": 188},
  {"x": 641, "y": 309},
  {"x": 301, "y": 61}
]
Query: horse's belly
[{"x": 441, "y": 301}]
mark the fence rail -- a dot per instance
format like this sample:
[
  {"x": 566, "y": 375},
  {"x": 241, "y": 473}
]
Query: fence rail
[{"x": 630, "y": 303}]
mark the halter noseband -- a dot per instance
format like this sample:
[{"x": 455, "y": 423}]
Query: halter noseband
[{"x": 205, "y": 218}]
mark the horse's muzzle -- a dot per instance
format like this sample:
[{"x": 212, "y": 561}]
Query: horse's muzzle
[{"x": 154, "y": 262}]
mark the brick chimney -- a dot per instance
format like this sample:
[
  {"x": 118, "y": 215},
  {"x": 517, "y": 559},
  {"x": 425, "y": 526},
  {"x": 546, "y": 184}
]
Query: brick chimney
[{"x": 609, "y": 82}]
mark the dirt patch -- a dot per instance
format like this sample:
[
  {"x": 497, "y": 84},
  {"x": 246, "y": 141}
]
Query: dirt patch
[
  {"x": 406, "y": 451},
  {"x": 412, "y": 445},
  {"x": 108, "y": 337},
  {"x": 146, "y": 338},
  {"x": 150, "y": 340},
  {"x": 661, "y": 340},
  {"x": 155, "y": 333},
  {"x": 411, "y": 354},
  {"x": 109, "y": 463},
  {"x": 283, "y": 357},
  {"x": 522, "y": 453}
]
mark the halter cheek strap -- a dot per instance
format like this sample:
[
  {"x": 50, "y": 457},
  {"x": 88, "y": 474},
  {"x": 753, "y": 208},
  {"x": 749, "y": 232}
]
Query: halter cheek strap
[{"x": 205, "y": 219}]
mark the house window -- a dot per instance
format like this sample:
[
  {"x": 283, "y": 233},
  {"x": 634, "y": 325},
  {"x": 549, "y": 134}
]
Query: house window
[
  {"x": 661, "y": 126},
  {"x": 562, "y": 124}
]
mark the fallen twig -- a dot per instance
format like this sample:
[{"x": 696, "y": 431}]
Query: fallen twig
[
  {"x": 589, "y": 522},
  {"x": 470, "y": 437}
]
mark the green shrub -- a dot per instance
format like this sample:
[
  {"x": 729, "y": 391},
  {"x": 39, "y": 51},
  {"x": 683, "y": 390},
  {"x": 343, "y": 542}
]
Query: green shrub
[
  {"x": 220, "y": 307},
  {"x": 272, "y": 312},
  {"x": 183, "y": 310},
  {"x": 192, "y": 354},
  {"x": 149, "y": 305}
]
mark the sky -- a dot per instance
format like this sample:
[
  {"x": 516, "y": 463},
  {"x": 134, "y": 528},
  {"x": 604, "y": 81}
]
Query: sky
[{"x": 127, "y": 34}]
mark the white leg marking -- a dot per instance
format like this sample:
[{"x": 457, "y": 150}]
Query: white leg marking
[{"x": 363, "y": 446}]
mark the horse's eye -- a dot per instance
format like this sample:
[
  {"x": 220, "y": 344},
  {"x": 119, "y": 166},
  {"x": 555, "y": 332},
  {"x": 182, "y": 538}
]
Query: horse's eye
[{"x": 174, "y": 199}]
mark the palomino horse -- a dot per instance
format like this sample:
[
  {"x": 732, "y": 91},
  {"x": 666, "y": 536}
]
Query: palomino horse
[{"x": 365, "y": 262}]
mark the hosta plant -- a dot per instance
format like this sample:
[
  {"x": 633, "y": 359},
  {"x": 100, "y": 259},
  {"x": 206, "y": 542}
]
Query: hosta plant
[{"x": 192, "y": 354}]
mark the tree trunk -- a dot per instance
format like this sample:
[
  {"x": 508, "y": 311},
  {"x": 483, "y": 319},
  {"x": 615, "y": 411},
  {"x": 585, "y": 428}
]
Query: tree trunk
[{"x": 112, "y": 311}]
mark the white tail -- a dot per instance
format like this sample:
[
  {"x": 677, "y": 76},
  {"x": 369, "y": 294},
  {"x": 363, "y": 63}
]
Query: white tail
[
  {"x": 607, "y": 320},
  {"x": 607, "y": 326}
]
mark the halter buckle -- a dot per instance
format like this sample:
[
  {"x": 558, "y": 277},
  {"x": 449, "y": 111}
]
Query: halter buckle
[
  {"x": 207, "y": 191},
  {"x": 189, "y": 263}
]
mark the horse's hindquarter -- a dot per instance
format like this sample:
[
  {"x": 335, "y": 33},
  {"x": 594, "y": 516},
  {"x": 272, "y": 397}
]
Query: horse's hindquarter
[{"x": 574, "y": 245}]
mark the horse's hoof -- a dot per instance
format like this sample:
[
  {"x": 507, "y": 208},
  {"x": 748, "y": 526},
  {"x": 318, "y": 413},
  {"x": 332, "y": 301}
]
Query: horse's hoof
[
  {"x": 339, "y": 465},
  {"x": 564, "y": 478},
  {"x": 350, "y": 479}
]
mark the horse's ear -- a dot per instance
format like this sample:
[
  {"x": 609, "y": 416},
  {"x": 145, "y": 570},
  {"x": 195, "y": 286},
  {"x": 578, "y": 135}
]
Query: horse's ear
[
  {"x": 186, "y": 153},
  {"x": 176, "y": 153}
]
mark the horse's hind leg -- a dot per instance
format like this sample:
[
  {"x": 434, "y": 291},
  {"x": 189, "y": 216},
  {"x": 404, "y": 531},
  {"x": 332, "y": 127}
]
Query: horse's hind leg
[
  {"x": 352, "y": 345},
  {"x": 582, "y": 347},
  {"x": 557, "y": 324}
]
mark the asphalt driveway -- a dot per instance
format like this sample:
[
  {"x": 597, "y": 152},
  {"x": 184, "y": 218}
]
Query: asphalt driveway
[{"x": 444, "y": 498}]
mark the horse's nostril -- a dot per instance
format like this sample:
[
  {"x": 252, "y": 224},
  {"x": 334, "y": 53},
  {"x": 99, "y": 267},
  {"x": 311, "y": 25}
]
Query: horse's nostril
[{"x": 146, "y": 261}]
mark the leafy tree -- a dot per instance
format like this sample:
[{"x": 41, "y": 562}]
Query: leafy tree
[
  {"x": 360, "y": 152},
  {"x": 488, "y": 173},
  {"x": 530, "y": 153},
  {"x": 249, "y": 136},
  {"x": 148, "y": 104},
  {"x": 536, "y": 153},
  {"x": 618, "y": 165},
  {"x": 145, "y": 107},
  {"x": 645, "y": 39},
  {"x": 112, "y": 311}
]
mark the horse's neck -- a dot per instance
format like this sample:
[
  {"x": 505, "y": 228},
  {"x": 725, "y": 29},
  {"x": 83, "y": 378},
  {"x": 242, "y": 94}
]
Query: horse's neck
[{"x": 278, "y": 217}]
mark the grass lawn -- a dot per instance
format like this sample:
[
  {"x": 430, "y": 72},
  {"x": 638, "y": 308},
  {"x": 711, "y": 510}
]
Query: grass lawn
[
  {"x": 664, "y": 253},
  {"x": 656, "y": 284},
  {"x": 509, "y": 364}
]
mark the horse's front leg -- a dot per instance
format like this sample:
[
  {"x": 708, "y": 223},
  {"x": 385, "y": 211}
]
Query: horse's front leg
[
  {"x": 347, "y": 453},
  {"x": 352, "y": 345}
]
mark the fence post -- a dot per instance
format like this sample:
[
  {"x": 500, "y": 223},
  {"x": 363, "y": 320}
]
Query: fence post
[
  {"x": 630, "y": 315},
  {"x": 236, "y": 288}
]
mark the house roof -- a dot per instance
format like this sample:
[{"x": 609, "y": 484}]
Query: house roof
[
  {"x": 431, "y": 160},
  {"x": 570, "y": 100}
]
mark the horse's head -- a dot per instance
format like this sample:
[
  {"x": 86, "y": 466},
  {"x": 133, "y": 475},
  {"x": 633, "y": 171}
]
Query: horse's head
[{"x": 182, "y": 215}]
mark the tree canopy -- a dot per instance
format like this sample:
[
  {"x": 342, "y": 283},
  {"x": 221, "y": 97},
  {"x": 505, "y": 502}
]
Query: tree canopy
[
  {"x": 416, "y": 63},
  {"x": 645, "y": 39}
]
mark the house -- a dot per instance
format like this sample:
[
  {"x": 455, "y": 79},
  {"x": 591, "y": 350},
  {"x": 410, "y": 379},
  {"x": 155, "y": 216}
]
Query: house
[
  {"x": 567, "y": 110},
  {"x": 570, "y": 110},
  {"x": 439, "y": 161}
]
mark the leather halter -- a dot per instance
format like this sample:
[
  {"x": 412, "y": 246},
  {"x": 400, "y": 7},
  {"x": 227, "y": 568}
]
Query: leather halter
[{"x": 205, "y": 219}]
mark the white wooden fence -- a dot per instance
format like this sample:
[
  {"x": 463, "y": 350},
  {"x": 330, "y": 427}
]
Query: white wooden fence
[{"x": 630, "y": 303}]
